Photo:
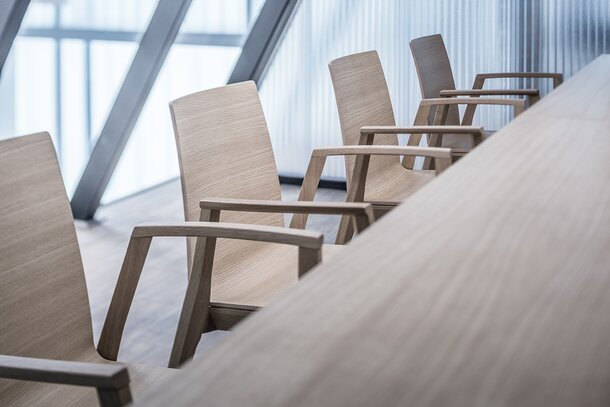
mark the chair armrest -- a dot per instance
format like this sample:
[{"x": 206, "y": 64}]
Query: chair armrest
[
  {"x": 490, "y": 92},
  {"x": 480, "y": 78},
  {"x": 259, "y": 233},
  {"x": 111, "y": 381},
  {"x": 368, "y": 150},
  {"x": 310, "y": 254},
  {"x": 323, "y": 208},
  {"x": 517, "y": 103},
  {"x": 476, "y": 131}
]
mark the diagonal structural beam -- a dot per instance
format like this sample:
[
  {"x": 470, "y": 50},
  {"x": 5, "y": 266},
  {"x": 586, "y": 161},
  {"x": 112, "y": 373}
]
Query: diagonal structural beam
[
  {"x": 11, "y": 15},
  {"x": 257, "y": 51},
  {"x": 154, "y": 47},
  {"x": 262, "y": 40}
]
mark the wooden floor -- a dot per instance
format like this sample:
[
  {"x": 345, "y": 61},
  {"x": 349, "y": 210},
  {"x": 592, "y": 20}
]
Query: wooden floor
[{"x": 153, "y": 318}]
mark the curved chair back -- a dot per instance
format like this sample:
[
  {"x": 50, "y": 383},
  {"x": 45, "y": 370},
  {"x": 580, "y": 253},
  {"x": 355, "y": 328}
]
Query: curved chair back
[
  {"x": 225, "y": 151},
  {"x": 363, "y": 99},
  {"x": 434, "y": 72},
  {"x": 44, "y": 308}
]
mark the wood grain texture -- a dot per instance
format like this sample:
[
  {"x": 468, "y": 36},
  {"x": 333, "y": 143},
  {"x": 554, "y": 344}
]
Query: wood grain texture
[
  {"x": 221, "y": 135},
  {"x": 237, "y": 231},
  {"x": 397, "y": 188},
  {"x": 64, "y": 372},
  {"x": 44, "y": 308},
  {"x": 198, "y": 290},
  {"x": 363, "y": 99},
  {"x": 225, "y": 152},
  {"x": 436, "y": 79},
  {"x": 490, "y": 92},
  {"x": 437, "y": 111},
  {"x": 495, "y": 288}
]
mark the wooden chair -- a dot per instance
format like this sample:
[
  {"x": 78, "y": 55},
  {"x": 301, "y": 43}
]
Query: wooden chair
[
  {"x": 436, "y": 80},
  {"x": 228, "y": 173},
  {"x": 46, "y": 338},
  {"x": 366, "y": 117}
]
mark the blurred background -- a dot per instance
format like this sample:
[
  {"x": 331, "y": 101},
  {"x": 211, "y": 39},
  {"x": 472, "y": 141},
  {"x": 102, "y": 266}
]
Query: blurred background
[{"x": 71, "y": 56}]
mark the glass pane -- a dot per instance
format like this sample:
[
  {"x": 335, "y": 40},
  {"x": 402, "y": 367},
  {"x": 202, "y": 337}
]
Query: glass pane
[
  {"x": 110, "y": 61},
  {"x": 217, "y": 16},
  {"x": 28, "y": 91},
  {"x": 107, "y": 15},
  {"x": 39, "y": 15},
  {"x": 202, "y": 58}
]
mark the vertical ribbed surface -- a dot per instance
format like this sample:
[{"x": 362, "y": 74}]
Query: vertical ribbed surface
[{"x": 481, "y": 36}]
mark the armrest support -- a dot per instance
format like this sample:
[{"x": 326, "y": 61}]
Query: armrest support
[
  {"x": 480, "y": 78},
  {"x": 368, "y": 150},
  {"x": 442, "y": 108},
  {"x": 111, "y": 381},
  {"x": 197, "y": 298},
  {"x": 477, "y": 132},
  {"x": 516, "y": 103},
  {"x": 360, "y": 210},
  {"x": 490, "y": 92},
  {"x": 259, "y": 233},
  {"x": 442, "y": 157}
]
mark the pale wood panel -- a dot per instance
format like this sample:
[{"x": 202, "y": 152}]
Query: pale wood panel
[
  {"x": 42, "y": 284},
  {"x": 225, "y": 151},
  {"x": 44, "y": 308},
  {"x": 153, "y": 317},
  {"x": 434, "y": 71},
  {"x": 495, "y": 288},
  {"x": 362, "y": 97}
]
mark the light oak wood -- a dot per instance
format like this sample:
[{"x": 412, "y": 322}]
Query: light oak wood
[
  {"x": 257, "y": 233},
  {"x": 437, "y": 111},
  {"x": 363, "y": 99},
  {"x": 225, "y": 152},
  {"x": 192, "y": 319},
  {"x": 495, "y": 287},
  {"x": 436, "y": 76},
  {"x": 482, "y": 77},
  {"x": 44, "y": 307},
  {"x": 490, "y": 92},
  {"x": 436, "y": 79},
  {"x": 110, "y": 381},
  {"x": 356, "y": 190},
  {"x": 362, "y": 213}
]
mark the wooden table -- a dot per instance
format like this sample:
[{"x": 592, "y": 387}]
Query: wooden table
[{"x": 489, "y": 287}]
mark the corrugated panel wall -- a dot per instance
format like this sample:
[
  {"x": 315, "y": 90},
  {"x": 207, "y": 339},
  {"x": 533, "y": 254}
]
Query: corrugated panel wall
[{"x": 481, "y": 36}]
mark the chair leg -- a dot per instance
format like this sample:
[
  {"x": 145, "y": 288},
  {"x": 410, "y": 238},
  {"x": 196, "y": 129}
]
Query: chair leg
[{"x": 345, "y": 231}]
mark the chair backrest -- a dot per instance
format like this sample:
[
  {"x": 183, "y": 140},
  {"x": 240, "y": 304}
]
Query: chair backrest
[
  {"x": 44, "y": 308},
  {"x": 363, "y": 99},
  {"x": 434, "y": 71},
  {"x": 225, "y": 151}
]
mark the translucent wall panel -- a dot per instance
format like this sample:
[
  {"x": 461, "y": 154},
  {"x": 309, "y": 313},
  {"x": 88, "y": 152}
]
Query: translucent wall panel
[{"x": 481, "y": 36}]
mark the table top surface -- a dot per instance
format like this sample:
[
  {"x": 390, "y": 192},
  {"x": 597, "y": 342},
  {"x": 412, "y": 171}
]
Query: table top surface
[{"x": 488, "y": 287}]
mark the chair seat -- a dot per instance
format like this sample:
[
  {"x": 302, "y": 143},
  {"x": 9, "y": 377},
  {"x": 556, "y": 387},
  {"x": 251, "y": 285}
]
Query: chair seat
[
  {"x": 256, "y": 273},
  {"x": 21, "y": 393},
  {"x": 395, "y": 185}
]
